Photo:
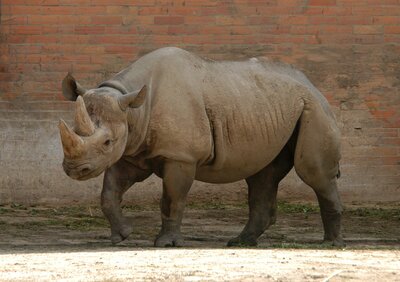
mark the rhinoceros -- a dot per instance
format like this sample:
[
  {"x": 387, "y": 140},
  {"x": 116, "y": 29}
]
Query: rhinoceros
[{"x": 186, "y": 118}]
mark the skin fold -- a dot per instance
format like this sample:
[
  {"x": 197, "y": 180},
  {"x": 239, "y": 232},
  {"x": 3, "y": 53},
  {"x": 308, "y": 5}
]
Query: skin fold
[{"x": 187, "y": 118}]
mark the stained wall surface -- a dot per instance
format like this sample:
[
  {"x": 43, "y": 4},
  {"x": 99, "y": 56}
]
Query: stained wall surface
[{"x": 349, "y": 49}]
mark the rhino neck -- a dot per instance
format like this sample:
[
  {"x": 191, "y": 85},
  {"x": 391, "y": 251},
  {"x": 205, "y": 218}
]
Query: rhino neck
[{"x": 138, "y": 121}]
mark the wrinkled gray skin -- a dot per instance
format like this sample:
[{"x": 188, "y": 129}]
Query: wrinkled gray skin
[{"x": 183, "y": 118}]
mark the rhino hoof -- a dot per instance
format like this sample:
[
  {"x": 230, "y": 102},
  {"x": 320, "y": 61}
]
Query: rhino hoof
[
  {"x": 169, "y": 240},
  {"x": 242, "y": 242},
  {"x": 121, "y": 235},
  {"x": 338, "y": 243}
]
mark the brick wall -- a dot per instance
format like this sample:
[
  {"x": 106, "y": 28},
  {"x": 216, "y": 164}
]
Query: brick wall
[{"x": 349, "y": 49}]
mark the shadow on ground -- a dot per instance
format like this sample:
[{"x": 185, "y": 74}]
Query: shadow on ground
[{"x": 34, "y": 229}]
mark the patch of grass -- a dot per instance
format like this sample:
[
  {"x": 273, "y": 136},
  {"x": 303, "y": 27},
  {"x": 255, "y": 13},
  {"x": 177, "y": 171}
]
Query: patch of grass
[
  {"x": 81, "y": 224},
  {"x": 140, "y": 208},
  {"x": 286, "y": 207},
  {"x": 207, "y": 206},
  {"x": 379, "y": 213},
  {"x": 297, "y": 245},
  {"x": 33, "y": 225},
  {"x": 4, "y": 210},
  {"x": 17, "y": 206},
  {"x": 84, "y": 224}
]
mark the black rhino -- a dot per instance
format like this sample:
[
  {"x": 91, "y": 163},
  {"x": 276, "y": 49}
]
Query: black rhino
[{"x": 183, "y": 118}]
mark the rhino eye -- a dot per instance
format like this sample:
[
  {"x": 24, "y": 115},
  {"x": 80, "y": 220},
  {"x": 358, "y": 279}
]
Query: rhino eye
[{"x": 107, "y": 142}]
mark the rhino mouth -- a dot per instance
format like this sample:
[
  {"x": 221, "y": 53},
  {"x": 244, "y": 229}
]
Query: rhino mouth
[
  {"x": 90, "y": 174},
  {"x": 81, "y": 172}
]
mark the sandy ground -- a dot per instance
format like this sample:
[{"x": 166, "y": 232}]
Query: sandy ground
[
  {"x": 72, "y": 245},
  {"x": 203, "y": 264}
]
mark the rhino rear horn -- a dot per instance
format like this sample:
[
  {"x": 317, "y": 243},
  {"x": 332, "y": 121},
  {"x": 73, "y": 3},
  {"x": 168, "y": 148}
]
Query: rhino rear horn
[
  {"x": 71, "y": 142},
  {"x": 83, "y": 124},
  {"x": 71, "y": 89},
  {"x": 133, "y": 100}
]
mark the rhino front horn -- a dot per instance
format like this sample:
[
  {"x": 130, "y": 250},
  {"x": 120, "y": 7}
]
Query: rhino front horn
[
  {"x": 83, "y": 124},
  {"x": 71, "y": 142}
]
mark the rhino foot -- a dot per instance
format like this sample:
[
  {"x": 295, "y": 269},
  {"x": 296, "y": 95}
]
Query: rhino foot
[
  {"x": 338, "y": 242},
  {"x": 124, "y": 232},
  {"x": 242, "y": 242},
  {"x": 169, "y": 240}
]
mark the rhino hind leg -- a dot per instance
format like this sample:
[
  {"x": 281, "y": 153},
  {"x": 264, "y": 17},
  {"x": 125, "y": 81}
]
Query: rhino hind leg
[
  {"x": 263, "y": 187},
  {"x": 316, "y": 162}
]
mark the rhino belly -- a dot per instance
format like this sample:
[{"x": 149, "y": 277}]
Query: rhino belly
[
  {"x": 242, "y": 152},
  {"x": 239, "y": 165}
]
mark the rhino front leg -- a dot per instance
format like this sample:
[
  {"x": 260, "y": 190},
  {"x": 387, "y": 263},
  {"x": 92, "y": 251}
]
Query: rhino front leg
[
  {"x": 177, "y": 180},
  {"x": 117, "y": 180}
]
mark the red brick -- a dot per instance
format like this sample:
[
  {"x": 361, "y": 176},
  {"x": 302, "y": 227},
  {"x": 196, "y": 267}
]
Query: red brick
[
  {"x": 351, "y": 3},
  {"x": 101, "y": 20},
  {"x": 294, "y": 20},
  {"x": 89, "y": 29},
  {"x": 386, "y": 20},
  {"x": 304, "y": 29},
  {"x": 58, "y": 10},
  {"x": 16, "y": 39},
  {"x": 392, "y": 39},
  {"x": 392, "y": 29},
  {"x": 323, "y": 20},
  {"x": 332, "y": 29},
  {"x": 120, "y": 10},
  {"x": 202, "y": 3},
  {"x": 152, "y": 11},
  {"x": 169, "y": 20},
  {"x": 152, "y": 29},
  {"x": 261, "y": 20},
  {"x": 115, "y": 29},
  {"x": 200, "y": 20},
  {"x": 368, "y": 29},
  {"x": 94, "y": 11},
  {"x": 337, "y": 11},
  {"x": 27, "y": 30},
  {"x": 182, "y": 29},
  {"x": 184, "y": 10},
  {"x": 367, "y": 11},
  {"x": 118, "y": 49},
  {"x": 230, "y": 20},
  {"x": 43, "y": 19},
  {"x": 14, "y": 20},
  {"x": 73, "y": 39},
  {"x": 241, "y": 30},
  {"x": 350, "y": 20},
  {"x": 288, "y": 2},
  {"x": 322, "y": 2},
  {"x": 312, "y": 10},
  {"x": 369, "y": 39},
  {"x": 216, "y": 10}
]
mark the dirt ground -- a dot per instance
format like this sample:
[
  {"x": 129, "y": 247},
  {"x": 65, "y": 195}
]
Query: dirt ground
[{"x": 50, "y": 244}]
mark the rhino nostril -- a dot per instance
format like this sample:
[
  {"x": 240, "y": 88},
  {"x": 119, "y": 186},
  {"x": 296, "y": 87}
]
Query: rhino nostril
[{"x": 85, "y": 170}]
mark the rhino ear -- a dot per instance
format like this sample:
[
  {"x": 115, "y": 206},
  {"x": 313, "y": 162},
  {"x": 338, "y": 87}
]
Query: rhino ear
[
  {"x": 71, "y": 88},
  {"x": 133, "y": 100}
]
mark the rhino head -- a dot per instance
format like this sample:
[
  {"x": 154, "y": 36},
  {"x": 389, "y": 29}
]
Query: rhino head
[{"x": 99, "y": 136}]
